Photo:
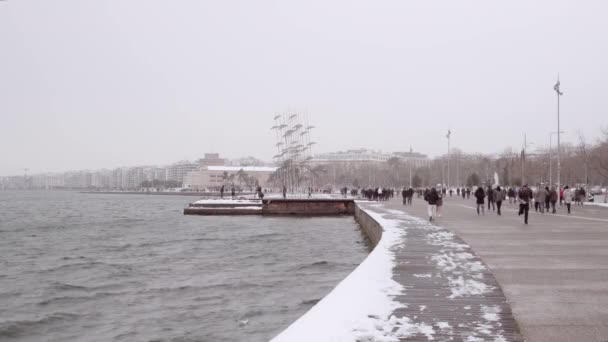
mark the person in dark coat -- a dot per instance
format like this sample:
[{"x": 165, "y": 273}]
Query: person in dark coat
[
  {"x": 404, "y": 194},
  {"x": 431, "y": 197},
  {"x": 480, "y": 195},
  {"x": 525, "y": 196},
  {"x": 284, "y": 191},
  {"x": 511, "y": 194},
  {"x": 499, "y": 196},
  {"x": 232, "y": 192},
  {"x": 553, "y": 197},
  {"x": 490, "y": 194},
  {"x": 222, "y": 192}
]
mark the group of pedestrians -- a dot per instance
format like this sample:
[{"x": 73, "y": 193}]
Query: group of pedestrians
[
  {"x": 407, "y": 195},
  {"x": 495, "y": 198},
  {"x": 377, "y": 194}
]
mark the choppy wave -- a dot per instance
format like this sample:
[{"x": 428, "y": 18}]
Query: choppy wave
[
  {"x": 21, "y": 327},
  {"x": 133, "y": 268}
]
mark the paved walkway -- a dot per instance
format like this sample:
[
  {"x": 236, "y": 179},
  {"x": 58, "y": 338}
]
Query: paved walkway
[
  {"x": 554, "y": 271},
  {"x": 448, "y": 293}
]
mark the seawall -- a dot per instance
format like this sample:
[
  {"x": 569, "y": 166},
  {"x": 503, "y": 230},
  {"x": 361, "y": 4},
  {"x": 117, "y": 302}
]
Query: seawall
[{"x": 370, "y": 227}]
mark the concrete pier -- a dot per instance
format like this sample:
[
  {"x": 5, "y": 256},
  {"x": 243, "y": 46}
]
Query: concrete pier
[{"x": 276, "y": 206}]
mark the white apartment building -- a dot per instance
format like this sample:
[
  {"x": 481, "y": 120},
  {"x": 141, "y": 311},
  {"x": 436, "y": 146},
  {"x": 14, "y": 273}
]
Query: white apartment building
[{"x": 213, "y": 177}]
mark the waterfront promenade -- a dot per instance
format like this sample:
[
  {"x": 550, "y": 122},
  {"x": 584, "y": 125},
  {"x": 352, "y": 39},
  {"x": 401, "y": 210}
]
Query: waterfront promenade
[{"x": 553, "y": 272}]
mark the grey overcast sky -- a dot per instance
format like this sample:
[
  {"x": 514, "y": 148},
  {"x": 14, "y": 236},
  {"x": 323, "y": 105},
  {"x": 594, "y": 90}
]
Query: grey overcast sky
[{"x": 90, "y": 84}]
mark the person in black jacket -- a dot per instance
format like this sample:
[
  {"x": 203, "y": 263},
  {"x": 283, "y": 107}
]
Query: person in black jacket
[
  {"x": 490, "y": 194},
  {"x": 553, "y": 196},
  {"x": 431, "y": 197},
  {"x": 525, "y": 196},
  {"x": 480, "y": 195}
]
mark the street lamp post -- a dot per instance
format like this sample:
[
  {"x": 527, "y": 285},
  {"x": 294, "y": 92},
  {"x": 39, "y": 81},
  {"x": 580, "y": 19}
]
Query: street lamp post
[
  {"x": 559, "y": 165},
  {"x": 448, "y": 136},
  {"x": 551, "y": 159}
]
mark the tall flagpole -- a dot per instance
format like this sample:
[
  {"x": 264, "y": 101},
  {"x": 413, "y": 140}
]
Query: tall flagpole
[
  {"x": 448, "y": 136},
  {"x": 559, "y": 93}
]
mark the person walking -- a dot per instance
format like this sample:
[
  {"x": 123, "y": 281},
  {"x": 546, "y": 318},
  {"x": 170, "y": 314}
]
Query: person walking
[
  {"x": 499, "y": 196},
  {"x": 431, "y": 197},
  {"x": 490, "y": 195},
  {"x": 553, "y": 198},
  {"x": 404, "y": 194},
  {"x": 525, "y": 196},
  {"x": 568, "y": 198},
  {"x": 410, "y": 195},
  {"x": 232, "y": 192},
  {"x": 480, "y": 196},
  {"x": 440, "y": 205},
  {"x": 511, "y": 194},
  {"x": 284, "y": 191},
  {"x": 547, "y": 199},
  {"x": 222, "y": 192},
  {"x": 539, "y": 200}
]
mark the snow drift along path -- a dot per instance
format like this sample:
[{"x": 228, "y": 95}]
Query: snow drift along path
[
  {"x": 350, "y": 312},
  {"x": 420, "y": 281}
]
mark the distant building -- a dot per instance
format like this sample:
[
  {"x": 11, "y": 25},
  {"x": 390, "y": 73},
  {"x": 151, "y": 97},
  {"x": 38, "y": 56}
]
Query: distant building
[
  {"x": 177, "y": 171},
  {"x": 361, "y": 157},
  {"x": 211, "y": 159},
  {"x": 352, "y": 156},
  {"x": 417, "y": 159},
  {"x": 213, "y": 177}
]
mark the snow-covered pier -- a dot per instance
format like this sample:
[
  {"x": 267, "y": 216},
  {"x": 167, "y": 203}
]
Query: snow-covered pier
[{"x": 273, "y": 206}]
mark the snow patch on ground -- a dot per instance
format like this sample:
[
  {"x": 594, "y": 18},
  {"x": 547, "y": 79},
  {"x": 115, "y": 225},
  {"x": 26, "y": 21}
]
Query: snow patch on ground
[
  {"x": 227, "y": 201},
  {"x": 426, "y": 275},
  {"x": 463, "y": 269},
  {"x": 236, "y": 208},
  {"x": 359, "y": 307},
  {"x": 605, "y": 205},
  {"x": 461, "y": 287}
]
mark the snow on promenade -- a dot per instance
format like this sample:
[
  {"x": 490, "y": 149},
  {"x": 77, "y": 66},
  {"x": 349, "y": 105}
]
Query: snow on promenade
[
  {"x": 352, "y": 310},
  {"x": 454, "y": 293}
]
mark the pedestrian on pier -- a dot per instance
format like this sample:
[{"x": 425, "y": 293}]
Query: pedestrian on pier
[
  {"x": 431, "y": 197},
  {"x": 284, "y": 191},
  {"x": 540, "y": 197},
  {"x": 491, "y": 201},
  {"x": 499, "y": 196},
  {"x": 553, "y": 198},
  {"x": 440, "y": 205},
  {"x": 232, "y": 192},
  {"x": 525, "y": 196},
  {"x": 222, "y": 192},
  {"x": 511, "y": 194},
  {"x": 568, "y": 195},
  {"x": 480, "y": 196}
]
